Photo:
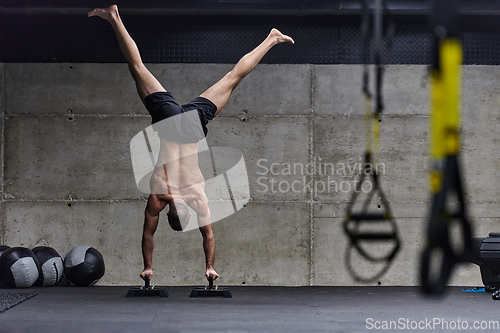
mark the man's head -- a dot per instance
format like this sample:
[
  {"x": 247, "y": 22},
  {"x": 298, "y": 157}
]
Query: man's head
[{"x": 178, "y": 216}]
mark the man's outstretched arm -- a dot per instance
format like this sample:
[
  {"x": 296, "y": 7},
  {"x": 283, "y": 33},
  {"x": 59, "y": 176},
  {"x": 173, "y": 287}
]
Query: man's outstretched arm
[
  {"x": 200, "y": 206},
  {"x": 151, "y": 218},
  {"x": 209, "y": 248}
]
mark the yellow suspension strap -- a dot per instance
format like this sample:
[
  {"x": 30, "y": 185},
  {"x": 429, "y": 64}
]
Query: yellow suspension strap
[
  {"x": 445, "y": 177},
  {"x": 382, "y": 227}
]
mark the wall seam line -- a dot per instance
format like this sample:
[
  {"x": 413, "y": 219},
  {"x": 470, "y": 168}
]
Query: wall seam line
[
  {"x": 311, "y": 160},
  {"x": 98, "y": 115},
  {"x": 73, "y": 200}
]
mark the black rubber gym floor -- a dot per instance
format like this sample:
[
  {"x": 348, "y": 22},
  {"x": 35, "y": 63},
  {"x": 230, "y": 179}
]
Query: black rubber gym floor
[{"x": 252, "y": 309}]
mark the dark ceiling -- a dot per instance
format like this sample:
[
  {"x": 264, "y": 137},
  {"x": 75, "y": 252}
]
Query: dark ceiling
[
  {"x": 220, "y": 31},
  {"x": 237, "y": 7}
]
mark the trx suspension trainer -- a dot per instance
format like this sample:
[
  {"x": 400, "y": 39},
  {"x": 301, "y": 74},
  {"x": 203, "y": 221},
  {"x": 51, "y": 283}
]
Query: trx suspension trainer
[
  {"x": 445, "y": 178},
  {"x": 382, "y": 219}
]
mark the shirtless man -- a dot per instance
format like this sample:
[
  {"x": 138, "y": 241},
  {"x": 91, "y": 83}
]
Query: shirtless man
[{"x": 177, "y": 181}]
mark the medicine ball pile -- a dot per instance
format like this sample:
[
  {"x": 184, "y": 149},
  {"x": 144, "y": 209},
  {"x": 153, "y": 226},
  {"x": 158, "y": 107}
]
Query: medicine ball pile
[{"x": 21, "y": 267}]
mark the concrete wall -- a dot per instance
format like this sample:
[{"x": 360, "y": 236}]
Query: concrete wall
[{"x": 67, "y": 177}]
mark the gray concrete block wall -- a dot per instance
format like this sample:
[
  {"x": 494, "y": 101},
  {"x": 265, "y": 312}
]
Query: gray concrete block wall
[{"x": 67, "y": 177}]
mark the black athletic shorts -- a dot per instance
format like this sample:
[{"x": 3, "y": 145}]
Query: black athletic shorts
[{"x": 183, "y": 126}]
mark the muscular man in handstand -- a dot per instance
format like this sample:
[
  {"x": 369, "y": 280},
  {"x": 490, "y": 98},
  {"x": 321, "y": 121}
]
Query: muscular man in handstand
[{"x": 177, "y": 180}]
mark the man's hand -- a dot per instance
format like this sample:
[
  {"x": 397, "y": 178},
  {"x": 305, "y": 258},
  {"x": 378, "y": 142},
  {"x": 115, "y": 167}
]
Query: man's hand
[
  {"x": 211, "y": 271},
  {"x": 147, "y": 271}
]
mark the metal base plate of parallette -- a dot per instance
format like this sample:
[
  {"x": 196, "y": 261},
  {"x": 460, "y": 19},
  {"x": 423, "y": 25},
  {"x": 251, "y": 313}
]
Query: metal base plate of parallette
[
  {"x": 143, "y": 292},
  {"x": 214, "y": 292},
  {"x": 211, "y": 291},
  {"x": 147, "y": 291}
]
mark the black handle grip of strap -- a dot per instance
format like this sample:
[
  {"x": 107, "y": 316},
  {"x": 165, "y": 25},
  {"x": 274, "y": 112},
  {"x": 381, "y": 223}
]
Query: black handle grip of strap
[
  {"x": 437, "y": 285},
  {"x": 439, "y": 226},
  {"x": 439, "y": 231},
  {"x": 356, "y": 242},
  {"x": 351, "y": 226},
  {"x": 369, "y": 217},
  {"x": 377, "y": 236}
]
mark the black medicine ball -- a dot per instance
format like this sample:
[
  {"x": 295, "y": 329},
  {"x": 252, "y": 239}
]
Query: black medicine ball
[
  {"x": 51, "y": 265},
  {"x": 83, "y": 266},
  {"x": 19, "y": 267},
  {"x": 2, "y": 249}
]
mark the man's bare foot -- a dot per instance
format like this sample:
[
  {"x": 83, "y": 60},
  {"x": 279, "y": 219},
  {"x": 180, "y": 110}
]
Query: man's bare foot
[
  {"x": 147, "y": 271},
  {"x": 278, "y": 37},
  {"x": 105, "y": 13}
]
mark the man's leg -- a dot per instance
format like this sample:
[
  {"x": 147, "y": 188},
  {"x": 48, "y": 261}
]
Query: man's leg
[
  {"x": 146, "y": 83},
  {"x": 219, "y": 93}
]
